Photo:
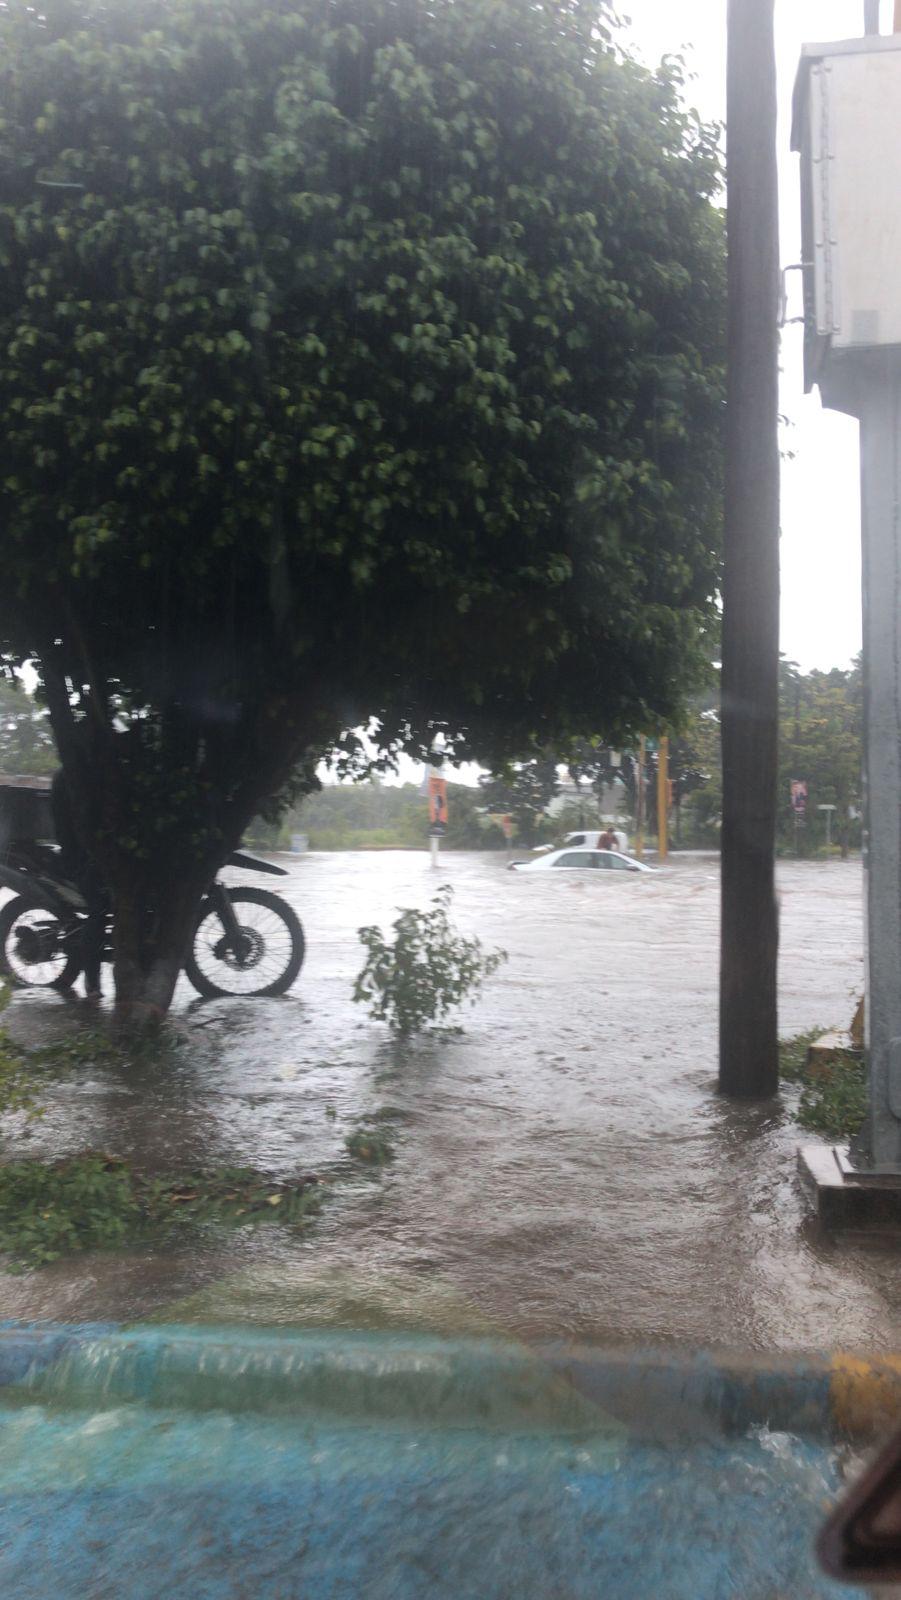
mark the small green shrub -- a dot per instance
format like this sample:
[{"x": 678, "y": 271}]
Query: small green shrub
[
  {"x": 833, "y": 1100},
  {"x": 426, "y": 971},
  {"x": 793, "y": 1055}
]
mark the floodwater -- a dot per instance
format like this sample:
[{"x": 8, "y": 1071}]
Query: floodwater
[{"x": 563, "y": 1166}]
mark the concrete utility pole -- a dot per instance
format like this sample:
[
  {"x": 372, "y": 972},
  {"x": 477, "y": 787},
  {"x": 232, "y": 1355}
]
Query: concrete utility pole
[
  {"x": 749, "y": 1062},
  {"x": 847, "y": 127},
  {"x": 880, "y": 472},
  {"x": 639, "y": 800}
]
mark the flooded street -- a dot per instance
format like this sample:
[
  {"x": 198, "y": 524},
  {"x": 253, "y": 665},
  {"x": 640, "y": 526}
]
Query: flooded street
[{"x": 563, "y": 1167}]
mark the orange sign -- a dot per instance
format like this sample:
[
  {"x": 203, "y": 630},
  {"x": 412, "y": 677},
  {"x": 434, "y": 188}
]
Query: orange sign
[{"x": 437, "y": 799}]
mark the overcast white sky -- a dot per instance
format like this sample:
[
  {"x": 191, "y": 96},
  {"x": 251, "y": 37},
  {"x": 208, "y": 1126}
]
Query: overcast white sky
[{"x": 820, "y": 496}]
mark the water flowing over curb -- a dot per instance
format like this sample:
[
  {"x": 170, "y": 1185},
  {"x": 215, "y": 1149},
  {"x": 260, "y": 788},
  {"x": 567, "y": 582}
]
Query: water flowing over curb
[{"x": 372, "y": 1377}]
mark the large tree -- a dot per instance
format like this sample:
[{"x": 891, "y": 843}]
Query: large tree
[
  {"x": 524, "y": 791},
  {"x": 357, "y": 360},
  {"x": 820, "y": 742}
]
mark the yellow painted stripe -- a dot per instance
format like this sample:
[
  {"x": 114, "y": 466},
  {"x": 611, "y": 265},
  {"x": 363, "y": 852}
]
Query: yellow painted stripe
[{"x": 865, "y": 1393}]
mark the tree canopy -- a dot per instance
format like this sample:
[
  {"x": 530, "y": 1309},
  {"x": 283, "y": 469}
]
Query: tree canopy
[
  {"x": 820, "y": 743},
  {"x": 523, "y": 791},
  {"x": 357, "y": 361}
]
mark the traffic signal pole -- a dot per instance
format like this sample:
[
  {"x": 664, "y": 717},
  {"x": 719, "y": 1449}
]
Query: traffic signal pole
[{"x": 639, "y": 801}]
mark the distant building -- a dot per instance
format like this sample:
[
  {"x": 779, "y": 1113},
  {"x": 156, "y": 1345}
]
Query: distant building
[{"x": 607, "y": 806}]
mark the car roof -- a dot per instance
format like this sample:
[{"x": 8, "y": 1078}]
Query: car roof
[{"x": 589, "y": 850}]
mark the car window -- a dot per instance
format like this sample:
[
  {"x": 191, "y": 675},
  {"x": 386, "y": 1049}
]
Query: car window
[
  {"x": 575, "y": 858},
  {"x": 577, "y": 838},
  {"x": 617, "y": 863},
  {"x": 601, "y": 858}
]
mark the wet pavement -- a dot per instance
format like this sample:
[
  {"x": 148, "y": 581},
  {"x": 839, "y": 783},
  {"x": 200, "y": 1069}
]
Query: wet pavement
[{"x": 563, "y": 1166}]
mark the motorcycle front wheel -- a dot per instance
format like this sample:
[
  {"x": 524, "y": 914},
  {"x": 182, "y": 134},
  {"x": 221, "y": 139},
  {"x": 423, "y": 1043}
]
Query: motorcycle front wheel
[
  {"x": 37, "y": 951},
  {"x": 264, "y": 958}
]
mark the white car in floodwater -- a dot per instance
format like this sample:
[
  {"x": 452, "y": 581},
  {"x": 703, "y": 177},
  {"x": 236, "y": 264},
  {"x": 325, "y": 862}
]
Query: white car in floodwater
[{"x": 580, "y": 860}]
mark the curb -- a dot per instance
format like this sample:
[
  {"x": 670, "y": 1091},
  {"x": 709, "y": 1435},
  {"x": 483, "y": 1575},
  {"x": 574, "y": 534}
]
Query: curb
[{"x": 392, "y": 1378}]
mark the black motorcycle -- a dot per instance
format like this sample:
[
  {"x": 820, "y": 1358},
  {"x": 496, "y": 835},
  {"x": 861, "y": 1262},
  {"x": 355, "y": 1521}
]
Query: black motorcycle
[{"x": 246, "y": 941}]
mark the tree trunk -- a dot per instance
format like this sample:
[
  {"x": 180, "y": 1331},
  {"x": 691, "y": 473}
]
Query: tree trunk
[
  {"x": 153, "y": 924},
  {"x": 749, "y": 931},
  {"x": 157, "y": 805}
]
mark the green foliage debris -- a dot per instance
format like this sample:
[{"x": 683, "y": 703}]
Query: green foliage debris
[
  {"x": 370, "y": 1145},
  {"x": 17, "y": 1091},
  {"x": 96, "y": 1201}
]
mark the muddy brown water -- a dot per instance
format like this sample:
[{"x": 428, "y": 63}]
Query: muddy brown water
[{"x": 564, "y": 1167}]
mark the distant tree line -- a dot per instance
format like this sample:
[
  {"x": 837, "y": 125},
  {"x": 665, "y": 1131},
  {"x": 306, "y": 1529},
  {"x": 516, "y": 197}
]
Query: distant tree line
[
  {"x": 820, "y": 744},
  {"x": 379, "y": 816}
]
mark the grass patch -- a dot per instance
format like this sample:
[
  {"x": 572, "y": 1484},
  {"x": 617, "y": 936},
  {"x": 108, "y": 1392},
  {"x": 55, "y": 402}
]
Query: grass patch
[
  {"x": 369, "y": 1144},
  {"x": 833, "y": 1099},
  {"x": 96, "y": 1201},
  {"x": 17, "y": 1091},
  {"x": 88, "y": 1047},
  {"x": 161, "y": 1046}
]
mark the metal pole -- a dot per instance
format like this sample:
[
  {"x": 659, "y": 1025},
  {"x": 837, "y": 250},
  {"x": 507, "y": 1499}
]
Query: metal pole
[
  {"x": 662, "y": 796},
  {"x": 639, "y": 801},
  {"x": 880, "y": 470}
]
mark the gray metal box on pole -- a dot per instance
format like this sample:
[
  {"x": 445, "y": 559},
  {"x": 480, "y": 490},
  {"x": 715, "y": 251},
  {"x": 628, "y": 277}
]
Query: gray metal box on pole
[{"x": 847, "y": 127}]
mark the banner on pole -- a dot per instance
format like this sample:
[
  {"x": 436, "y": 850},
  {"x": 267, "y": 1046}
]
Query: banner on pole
[
  {"x": 799, "y": 796},
  {"x": 437, "y": 802}
]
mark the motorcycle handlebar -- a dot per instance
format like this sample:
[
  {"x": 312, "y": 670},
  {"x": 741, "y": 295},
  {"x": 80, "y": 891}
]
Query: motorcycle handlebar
[{"x": 240, "y": 860}]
